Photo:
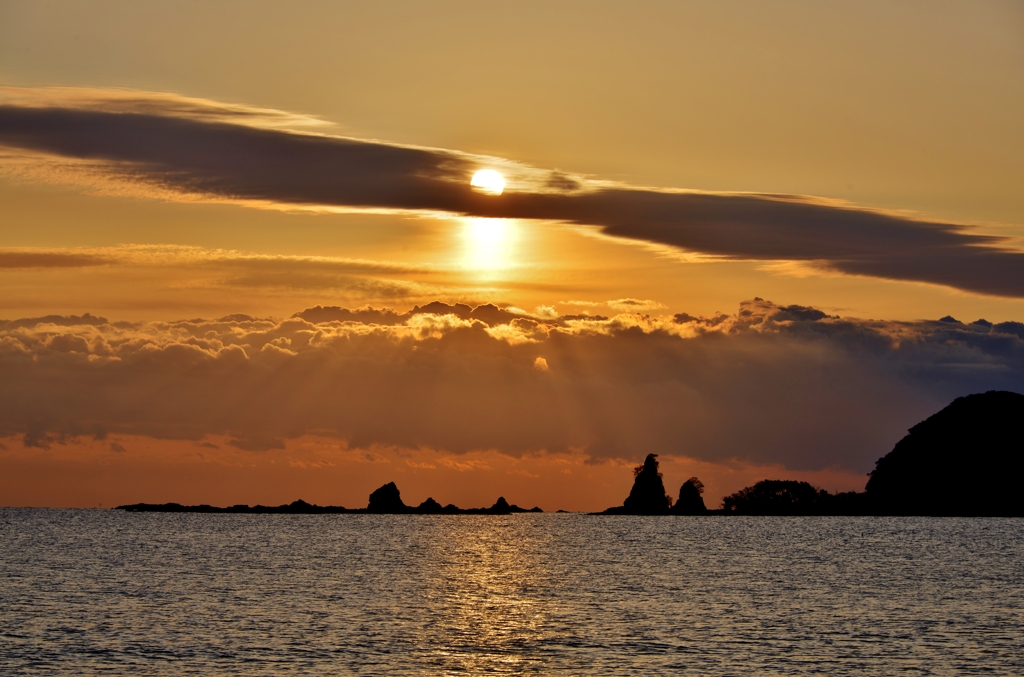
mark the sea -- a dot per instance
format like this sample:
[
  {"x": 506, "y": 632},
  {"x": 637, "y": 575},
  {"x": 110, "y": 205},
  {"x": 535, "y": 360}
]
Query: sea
[{"x": 106, "y": 592}]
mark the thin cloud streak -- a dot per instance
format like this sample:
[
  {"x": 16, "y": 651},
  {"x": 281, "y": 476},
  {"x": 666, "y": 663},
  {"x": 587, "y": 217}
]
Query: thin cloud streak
[
  {"x": 49, "y": 259},
  {"x": 226, "y": 153}
]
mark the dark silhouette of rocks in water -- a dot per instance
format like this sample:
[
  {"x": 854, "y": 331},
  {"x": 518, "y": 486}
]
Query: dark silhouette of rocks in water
[
  {"x": 777, "y": 497},
  {"x": 429, "y": 507},
  {"x": 690, "y": 500},
  {"x": 500, "y": 507},
  {"x": 647, "y": 497},
  {"x": 299, "y": 507},
  {"x": 387, "y": 500},
  {"x": 967, "y": 459}
]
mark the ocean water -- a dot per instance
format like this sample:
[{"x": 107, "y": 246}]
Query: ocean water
[{"x": 88, "y": 592}]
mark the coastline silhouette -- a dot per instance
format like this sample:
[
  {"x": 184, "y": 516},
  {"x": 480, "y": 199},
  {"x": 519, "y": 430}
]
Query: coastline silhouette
[
  {"x": 965, "y": 460},
  {"x": 974, "y": 443},
  {"x": 385, "y": 500}
]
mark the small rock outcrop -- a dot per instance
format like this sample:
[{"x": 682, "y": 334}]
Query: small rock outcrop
[
  {"x": 430, "y": 507},
  {"x": 387, "y": 500},
  {"x": 690, "y": 500}
]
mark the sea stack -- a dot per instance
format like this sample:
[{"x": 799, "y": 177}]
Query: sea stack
[
  {"x": 647, "y": 497},
  {"x": 387, "y": 500},
  {"x": 690, "y": 500}
]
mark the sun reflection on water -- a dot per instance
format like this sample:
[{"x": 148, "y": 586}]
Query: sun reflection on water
[{"x": 483, "y": 595}]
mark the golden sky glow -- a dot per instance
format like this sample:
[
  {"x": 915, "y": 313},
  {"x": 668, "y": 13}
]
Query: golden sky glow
[{"x": 758, "y": 212}]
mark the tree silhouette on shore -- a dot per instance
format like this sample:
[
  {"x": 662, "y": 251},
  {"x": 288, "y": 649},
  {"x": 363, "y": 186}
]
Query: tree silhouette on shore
[{"x": 777, "y": 497}]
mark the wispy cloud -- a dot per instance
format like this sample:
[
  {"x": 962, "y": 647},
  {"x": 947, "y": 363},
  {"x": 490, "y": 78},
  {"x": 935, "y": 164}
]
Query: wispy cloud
[
  {"x": 201, "y": 268},
  {"x": 634, "y": 305},
  {"x": 193, "y": 147},
  {"x": 49, "y": 259}
]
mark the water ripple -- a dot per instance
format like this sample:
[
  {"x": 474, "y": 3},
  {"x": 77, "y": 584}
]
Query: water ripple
[{"x": 105, "y": 592}]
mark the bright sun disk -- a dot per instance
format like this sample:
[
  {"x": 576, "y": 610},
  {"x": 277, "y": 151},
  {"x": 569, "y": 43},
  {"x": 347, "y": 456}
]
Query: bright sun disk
[{"x": 488, "y": 181}]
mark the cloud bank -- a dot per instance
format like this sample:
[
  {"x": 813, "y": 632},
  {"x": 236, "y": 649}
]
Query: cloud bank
[
  {"x": 769, "y": 384},
  {"x": 189, "y": 147}
]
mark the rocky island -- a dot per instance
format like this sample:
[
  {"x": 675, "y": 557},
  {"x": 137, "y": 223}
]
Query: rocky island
[{"x": 387, "y": 500}]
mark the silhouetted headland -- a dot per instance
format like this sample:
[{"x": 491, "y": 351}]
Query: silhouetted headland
[
  {"x": 387, "y": 500},
  {"x": 966, "y": 460}
]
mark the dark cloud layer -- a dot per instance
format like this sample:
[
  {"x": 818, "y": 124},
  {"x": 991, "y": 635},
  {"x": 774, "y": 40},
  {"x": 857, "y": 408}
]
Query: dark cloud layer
[
  {"x": 773, "y": 384},
  {"x": 230, "y": 158}
]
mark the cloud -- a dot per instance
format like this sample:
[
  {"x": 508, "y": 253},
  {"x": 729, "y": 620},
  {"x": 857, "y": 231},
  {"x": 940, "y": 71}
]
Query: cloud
[
  {"x": 201, "y": 268},
  {"x": 191, "y": 147},
  {"x": 117, "y": 101},
  {"x": 769, "y": 384},
  {"x": 257, "y": 443},
  {"x": 634, "y": 305},
  {"x": 55, "y": 320},
  {"x": 487, "y": 313},
  {"x": 49, "y": 259}
]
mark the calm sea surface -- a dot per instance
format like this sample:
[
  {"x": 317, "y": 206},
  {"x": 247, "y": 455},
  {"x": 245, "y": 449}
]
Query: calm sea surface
[{"x": 87, "y": 592}]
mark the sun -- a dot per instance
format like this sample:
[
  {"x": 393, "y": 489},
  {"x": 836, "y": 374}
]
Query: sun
[{"x": 488, "y": 181}]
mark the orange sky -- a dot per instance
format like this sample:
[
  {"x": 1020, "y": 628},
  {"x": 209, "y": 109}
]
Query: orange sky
[{"x": 764, "y": 212}]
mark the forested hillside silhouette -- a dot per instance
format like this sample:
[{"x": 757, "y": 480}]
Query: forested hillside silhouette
[{"x": 966, "y": 460}]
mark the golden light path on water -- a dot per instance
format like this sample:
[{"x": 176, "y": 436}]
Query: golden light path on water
[{"x": 480, "y": 591}]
